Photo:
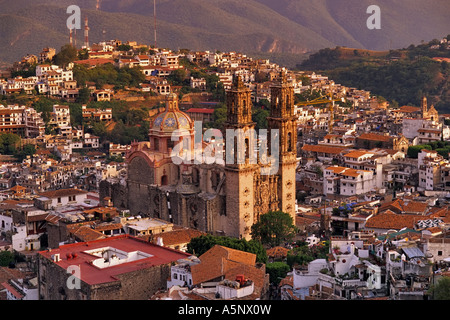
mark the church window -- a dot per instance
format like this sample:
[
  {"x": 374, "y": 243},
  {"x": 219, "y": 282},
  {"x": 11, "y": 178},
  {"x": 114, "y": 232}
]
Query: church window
[
  {"x": 289, "y": 142},
  {"x": 247, "y": 149},
  {"x": 170, "y": 144},
  {"x": 195, "y": 176}
]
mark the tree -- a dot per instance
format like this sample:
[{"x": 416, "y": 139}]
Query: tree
[
  {"x": 303, "y": 254},
  {"x": 274, "y": 228},
  {"x": 413, "y": 151},
  {"x": 177, "y": 77},
  {"x": 6, "y": 258},
  {"x": 9, "y": 143},
  {"x": 277, "y": 271},
  {"x": 200, "y": 245},
  {"x": 83, "y": 54},
  {"x": 45, "y": 105},
  {"x": 67, "y": 54},
  {"x": 219, "y": 116},
  {"x": 84, "y": 94},
  {"x": 124, "y": 47},
  {"x": 260, "y": 117},
  {"x": 441, "y": 290},
  {"x": 27, "y": 150}
]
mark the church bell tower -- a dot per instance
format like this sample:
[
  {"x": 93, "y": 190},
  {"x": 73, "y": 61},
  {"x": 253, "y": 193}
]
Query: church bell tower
[
  {"x": 283, "y": 121},
  {"x": 239, "y": 167}
]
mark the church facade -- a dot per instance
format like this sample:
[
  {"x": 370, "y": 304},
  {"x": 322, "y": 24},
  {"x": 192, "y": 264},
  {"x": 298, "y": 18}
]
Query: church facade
[{"x": 220, "y": 198}]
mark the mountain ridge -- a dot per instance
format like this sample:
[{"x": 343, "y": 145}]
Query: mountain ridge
[{"x": 251, "y": 26}]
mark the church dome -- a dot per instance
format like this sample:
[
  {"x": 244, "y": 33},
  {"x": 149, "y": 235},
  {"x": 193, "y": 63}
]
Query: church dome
[{"x": 172, "y": 118}]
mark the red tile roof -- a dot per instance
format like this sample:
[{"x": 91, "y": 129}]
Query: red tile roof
[
  {"x": 217, "y": 261},
  {"x": 200, "y": 110},
  {"x": 13, "y": 290},
  {"x": 176, "y": 236},
  {"x": 62, "y": 193},
  {"x": 90, "y": 274},
  {"x": 374, "y": 137},
  {"x": 391, "y": 220}
]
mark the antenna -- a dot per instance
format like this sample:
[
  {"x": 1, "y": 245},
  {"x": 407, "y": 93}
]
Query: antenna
[
  {"x": 70, "y": 37},
  {"x": 86, "y": 33},
  {"x": 154, "y": 19},
  {"x": 75, "y": 38}
]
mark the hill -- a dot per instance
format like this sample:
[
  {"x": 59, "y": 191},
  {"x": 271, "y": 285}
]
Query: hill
[
  {"x": 266, "y": 27},
  {"x": 402, "y": 76}
]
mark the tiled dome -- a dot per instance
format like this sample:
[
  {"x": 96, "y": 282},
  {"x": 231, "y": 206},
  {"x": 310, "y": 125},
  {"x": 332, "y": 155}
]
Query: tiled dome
[{"x": 172, "y": 118}]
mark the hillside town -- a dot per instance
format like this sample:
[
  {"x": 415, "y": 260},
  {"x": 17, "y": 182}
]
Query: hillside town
[{"x": 365, "y": 181}]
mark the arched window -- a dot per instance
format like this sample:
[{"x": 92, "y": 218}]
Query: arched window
[
  {"x": 289, "y": 142},
  {"x": 247, "y": 150},
  {"x": 195, "y": 176}
]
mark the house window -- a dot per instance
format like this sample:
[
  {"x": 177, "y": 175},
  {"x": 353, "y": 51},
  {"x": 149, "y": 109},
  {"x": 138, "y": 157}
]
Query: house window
[
  {"x": 439, "y": 253},
  {"x": 59, "y": 200},
  {"x": 175, "y": 276}
]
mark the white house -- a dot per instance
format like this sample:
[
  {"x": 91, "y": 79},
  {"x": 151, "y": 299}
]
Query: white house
[
  {"x": 180, "y": 273},
  {"x": 63, "y": 197},
  {"x": 348, "y": 181}
]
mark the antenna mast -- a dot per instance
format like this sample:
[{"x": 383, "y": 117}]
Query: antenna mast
[{"x": 154, "y": 19}]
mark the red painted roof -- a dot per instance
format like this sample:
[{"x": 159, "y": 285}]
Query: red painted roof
[
  {"x": 13, "y": 290},
  {"x": 200, "y": 110},
  {"x": 94, "y": 275}
]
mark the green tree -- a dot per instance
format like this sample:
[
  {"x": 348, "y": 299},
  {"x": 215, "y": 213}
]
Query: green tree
[
  {"x": 441, "y": 290},
  {"x": 67, "y": 54},
  {"x": 9, "y": 143},
  {"x": 178, "y": 77},
  {"x": 84, "y": 94},
  {"x": 413, "y": 151},
  {"x": 6, "y": 258},
  {"x": 303, "y": 254},
  {"x": 27, "y": 150},
  {"x": 274, "y": 228},
  {"x": 45, "y": 105},
  {"x": 219, "y": 116},
  {"x": 277, "y": 271},
  {"x": 124, "y": 47},
  {"x": 83, "y": 54},
  {"x": 260, "y": 117},
  {"x": 76, "y": 114},
  {"x": 99, "y": 129}
]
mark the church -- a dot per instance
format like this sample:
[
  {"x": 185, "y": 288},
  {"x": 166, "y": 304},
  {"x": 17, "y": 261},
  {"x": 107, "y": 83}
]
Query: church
[{"x": 219, "y": 198}]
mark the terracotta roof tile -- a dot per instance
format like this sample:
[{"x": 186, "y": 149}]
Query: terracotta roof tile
[
  {"x": 374, "y": 137},
  {"x": 277, "y": 252},
  {"x": 409, "y": 109},
  {"x": 390, "y": 220},
  {"x": 88, "y": 234},
  {"x": 358, "y": 153},
  {"x": 217, "y": 260},
  {"x": 61, "y": 193},
  {"x": 178, "y": 236}
]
